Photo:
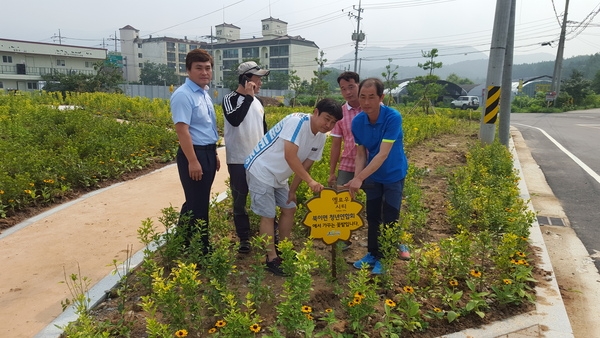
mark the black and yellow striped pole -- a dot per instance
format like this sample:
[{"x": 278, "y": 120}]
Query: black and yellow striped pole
[
  {"x": 492, "y": 104},
  {"x": 487, "y": 128}
]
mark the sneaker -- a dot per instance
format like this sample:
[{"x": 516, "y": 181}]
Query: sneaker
[
  {"x": 275, "y": 266},
  {"x": 369, "y": 260},
  {"x": 377, "y": 268},
  {"x": 244, "y": 247},
  {"x": 345, "y": 245},
  {"x": 404, "y": 253}
]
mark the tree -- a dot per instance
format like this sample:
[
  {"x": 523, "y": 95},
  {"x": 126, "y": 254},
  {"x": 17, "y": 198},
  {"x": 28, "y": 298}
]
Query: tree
[
  {"x": 390, "y": 79},
  {"x": 577, "y": 86},
  {"x": 458, "y": 80},
  {"x": 596, "y": 82},
  {"x": 158, "y": 74},
  {"x": 319, "y": 86},
  {"x": 277, "y": 80},
  {"x": 427, "y": 87},
  {"x": 107, "y": 79},
  {"x": 297, "y": 85}
]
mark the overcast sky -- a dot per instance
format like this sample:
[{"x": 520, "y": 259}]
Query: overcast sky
[{"x": 386, "y": 23}]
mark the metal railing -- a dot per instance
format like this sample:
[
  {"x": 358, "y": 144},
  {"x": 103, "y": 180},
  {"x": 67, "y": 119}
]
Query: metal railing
[{"x": 6, "y": 69}]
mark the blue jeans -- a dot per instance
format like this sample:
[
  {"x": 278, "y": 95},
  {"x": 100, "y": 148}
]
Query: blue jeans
[{"x": 383, "y": 207}]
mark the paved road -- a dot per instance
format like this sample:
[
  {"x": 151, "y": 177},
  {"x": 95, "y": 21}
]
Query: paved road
[{"x": 566, "y": 146}]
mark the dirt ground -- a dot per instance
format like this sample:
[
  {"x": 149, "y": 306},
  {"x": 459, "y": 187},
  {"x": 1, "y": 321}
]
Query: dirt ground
[{"x": 88, "y": 235}]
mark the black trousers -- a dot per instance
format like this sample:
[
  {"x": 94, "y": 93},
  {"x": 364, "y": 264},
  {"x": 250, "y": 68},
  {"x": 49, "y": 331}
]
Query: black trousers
[
  {"x": 239, "y": 194},
  {"x": 197, "y": 193}
]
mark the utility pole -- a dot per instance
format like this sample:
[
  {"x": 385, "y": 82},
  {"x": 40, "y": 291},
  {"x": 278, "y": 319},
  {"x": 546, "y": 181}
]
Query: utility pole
[
  {"x": 494, "y": 73},
  {"x": 506, "y": 98},
  {"x": 358, "y": 35},
  {"x": 559, "y": 54}
]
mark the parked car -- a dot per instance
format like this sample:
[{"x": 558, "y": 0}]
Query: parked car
[{"x": 464, "y": 102}]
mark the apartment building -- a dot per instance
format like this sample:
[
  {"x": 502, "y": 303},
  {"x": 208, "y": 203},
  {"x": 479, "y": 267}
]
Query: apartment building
[
  {"x": 23, "y": 63},
  {"x": 275, "y": 50}
]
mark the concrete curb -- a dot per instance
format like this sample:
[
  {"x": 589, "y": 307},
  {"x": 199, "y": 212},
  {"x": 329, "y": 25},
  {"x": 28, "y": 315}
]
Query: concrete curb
[{"x": 549, "y": 319}]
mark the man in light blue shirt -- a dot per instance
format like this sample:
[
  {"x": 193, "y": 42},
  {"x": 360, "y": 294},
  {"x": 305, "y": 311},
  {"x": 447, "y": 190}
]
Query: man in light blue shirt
[{"x": 197, "y": 161}]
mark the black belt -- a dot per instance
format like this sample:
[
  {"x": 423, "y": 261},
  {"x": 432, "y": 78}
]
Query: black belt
[{"x": 206, "y": 147}]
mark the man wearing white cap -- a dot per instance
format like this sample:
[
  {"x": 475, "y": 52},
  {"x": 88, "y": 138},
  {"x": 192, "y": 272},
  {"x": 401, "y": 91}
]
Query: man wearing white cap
[{"x": 245, "y": 125}]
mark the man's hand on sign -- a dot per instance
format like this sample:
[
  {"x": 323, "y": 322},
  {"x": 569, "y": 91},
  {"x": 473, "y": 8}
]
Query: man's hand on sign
[
  {"x": 353, "y": 186},
  {"x": 315, "y": 186}
]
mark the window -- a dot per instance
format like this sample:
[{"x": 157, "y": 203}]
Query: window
[
  {"x": 230, "y": 53},
  {"x": 280, "y": 51},
  {"x": 6, "y": 58},
  {"x": 172, "y": 65},
  {"x": 171, "y": 46},
  {"x": 181, "y": 57},
  {"x": 60, "y": 62},
  {"x": 140, "y": 55},
  {"x": 171, "y": 57},
  {"x": 139, "y": 45},
  {"x": 141, "y": 65},
  {"x": 265, "y": 27},
  {"x": 248, "y": 53},
  {"x": 182, "y": 68},
  {"x": 32, "y": 85},
  {"x": 1, "y": 85},
  {"x": 182, "y": 48},
  {"x": 192, "y": 47},
  {"x": 230, "y": 64},
  {"x": 279, "y": 63},
  {"x": 89, "y": 64}
]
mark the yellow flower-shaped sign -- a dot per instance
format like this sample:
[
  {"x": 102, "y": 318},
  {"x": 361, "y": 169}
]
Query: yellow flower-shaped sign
[{"x": 332, "y": 216}]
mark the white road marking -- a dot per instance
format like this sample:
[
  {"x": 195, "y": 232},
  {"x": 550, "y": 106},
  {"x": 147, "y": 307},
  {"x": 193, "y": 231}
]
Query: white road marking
[{"x": 579, "y": 162}]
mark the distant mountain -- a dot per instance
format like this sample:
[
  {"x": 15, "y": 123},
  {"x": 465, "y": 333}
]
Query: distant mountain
[{"x": 464, "y": 61}]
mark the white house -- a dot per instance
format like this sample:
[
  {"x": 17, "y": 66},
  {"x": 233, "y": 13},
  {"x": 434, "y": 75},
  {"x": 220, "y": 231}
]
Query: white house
[{"x": 23, "y": 63}]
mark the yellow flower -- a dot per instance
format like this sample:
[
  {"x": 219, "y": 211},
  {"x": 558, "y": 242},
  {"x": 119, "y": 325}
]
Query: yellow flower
[
  {"x": 437, "y": 309},
  {"x": 31, "y": 184},
  {"x": 390, "y": 303},
  {"x": 351, "y": 303},
  {"x": 475, "y": 273},
  {"x": 306, "y": 309},
  {"x": 309, "y": 316},
  {"x": 507, "y": 281},
  {"x": 212, "y": 330},
  {"x": 27, "y": 191},
  {"x": 408, "y": 289},
  {"x": 357, "y": 300},
  {"x": 181, "y": 333},
  {"x": 255, "y": 328},
  {"x": 220, "y": 323},
  {"x": 453, "y": 282},
  {"x": 520, "y": 254},
  {"x": 1, "y": 192},
  {"x": 359, "y": 294},
  {"x": 514, "y": 261},
  {"x": 328, "y": 310}
]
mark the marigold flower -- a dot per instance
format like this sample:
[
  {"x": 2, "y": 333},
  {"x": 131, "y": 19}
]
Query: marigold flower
[
  {"x": 328, "y": 310},
  {"x": 255, "y": 328},
  {"x": 507, "y": 281},
  {"x": 437, "y": 309},
  {"x": 390, "y": 303},
  {"x": 306, "y": 309},
  {"x": 408, "y": 289},
  {"x": 514, "y": 261},
  {"x": 359, "y": 294},
  {"x": 475, "y": 273},
  {"x": 453, "y": 282},
  {"x": 181, "y": 333},
  {"x": 357, "y": 300},
  {"x": 521, "y": 262},
  {"x": 351, "y": 303},
  {"x": 212, "y": 330},
  {"x": 520, "y": 254},
  {"x": 220, "y": 323},
  {"x": 309, "y": 316}
]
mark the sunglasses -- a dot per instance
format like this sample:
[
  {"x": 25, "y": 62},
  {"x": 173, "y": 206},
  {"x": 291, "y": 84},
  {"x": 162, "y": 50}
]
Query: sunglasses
[{"x": 255, "y": 67}]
